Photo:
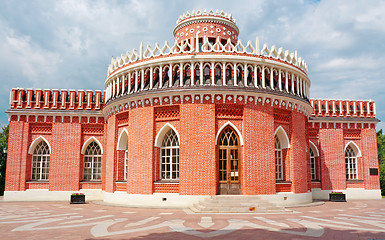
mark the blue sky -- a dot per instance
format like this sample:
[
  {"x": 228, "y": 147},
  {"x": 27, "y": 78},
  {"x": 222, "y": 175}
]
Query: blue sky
[{"x": 69, "y": 44}]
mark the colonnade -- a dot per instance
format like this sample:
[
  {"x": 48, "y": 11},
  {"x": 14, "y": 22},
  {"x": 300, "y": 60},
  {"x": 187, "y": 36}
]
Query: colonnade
[{"x": 204, "y": 73}]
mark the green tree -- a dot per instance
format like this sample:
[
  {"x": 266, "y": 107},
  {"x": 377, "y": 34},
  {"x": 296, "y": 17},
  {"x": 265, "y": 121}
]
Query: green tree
[
  {"x": 381, "y": 159},
  {"x": 3, "y": 156}
]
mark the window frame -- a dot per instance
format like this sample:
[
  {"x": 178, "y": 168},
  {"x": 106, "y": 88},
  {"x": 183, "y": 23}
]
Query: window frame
[
  {"x": 92, "y": 160},
  {"x": 167, "y": 153},
  {"x": 351, "y": 164},
  {"x": 42, "y": 160}
]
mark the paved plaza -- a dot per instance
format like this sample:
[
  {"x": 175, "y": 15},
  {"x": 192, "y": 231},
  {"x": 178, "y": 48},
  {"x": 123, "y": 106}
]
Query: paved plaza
[{"x": 60, "y": 220}]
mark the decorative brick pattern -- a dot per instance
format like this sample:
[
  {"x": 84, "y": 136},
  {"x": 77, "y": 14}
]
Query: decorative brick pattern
[
  {"x": 166, "y": 113},
  {"x": 166, "y": 188}
]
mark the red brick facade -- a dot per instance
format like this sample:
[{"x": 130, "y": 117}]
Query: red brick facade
[{"x": 131, "y": 119}]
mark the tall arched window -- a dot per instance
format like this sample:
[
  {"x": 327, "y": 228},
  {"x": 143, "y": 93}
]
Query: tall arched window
[
  {"x": 351, "y": 163},
  {"x": 92, "y": 162},
  {"x": 313, "y": 173},
  {"x": 40, "y": 161},
  {"x": 278, "y": 159},
  {"x": 125, "y": 164},
  {"x": 229, "y": 156},
  {"x": 170, "y": 156}
]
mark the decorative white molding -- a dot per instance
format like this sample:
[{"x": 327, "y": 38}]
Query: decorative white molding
[
  {"x": 232, "y": 126},
  {"x": 123, "y": 140},
  {"x": 86, "y": 143},
  {"x": 162, "y": 132},
  {"x": 355, "y": 148},
  {"x": 36, "y": 142},
  {"x": 315, "y": 149},
  {"x": 283, "y": 138}
]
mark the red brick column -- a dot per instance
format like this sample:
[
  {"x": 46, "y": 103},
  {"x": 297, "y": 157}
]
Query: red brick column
[
  {"x": 64, "y": 163},
  {"x": 258, "y": 157},
  {"x": 333, "y": 172},
  {"x": 369, "y": 157},
  {"x": 197, "y": 153},
  {"x": 110, "y": 153},
  {"x": 299, "y": 154},
  {"x": 17, "y": 156},
  {"x": 140, "y": 151}
]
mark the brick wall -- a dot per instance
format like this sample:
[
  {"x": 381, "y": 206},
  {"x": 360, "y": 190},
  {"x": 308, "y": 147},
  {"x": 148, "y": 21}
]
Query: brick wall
[{"x": 197, "y": 159}]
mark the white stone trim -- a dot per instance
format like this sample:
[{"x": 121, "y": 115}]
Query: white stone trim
[
  {"x": 283, "y": 138},
  {"x": 122, "y": 140},
  {"x": 355, "y": 148},
  {"x": 315, "y": 149},
  {"x": 228, "y": 123},
  {"x": 36, "y": 142},
  {"x": 89, "y": 140},
  {"x": 162, "y": 132}
]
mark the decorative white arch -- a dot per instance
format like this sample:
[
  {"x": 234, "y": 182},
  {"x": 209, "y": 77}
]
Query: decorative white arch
[
  {"x": 91, "y": 139},
  {"x": 355, "y": 148},
  {"x": 315, "y": 149},
  {"x": 36, "y": 142},
  {"x": 123, "y": 140},
  {"x": 162, "y": 132},
  {"x": 234, "y": 127},
  {"x": 282, "y": 136}
]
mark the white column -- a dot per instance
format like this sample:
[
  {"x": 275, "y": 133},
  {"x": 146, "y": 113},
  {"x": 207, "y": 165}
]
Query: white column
[
  {"x": 271, "y": 79},
  {"x": 201, "y": 73},
  {"x": 319, "y": 107},
  {"x": 192, "y": 77},
  {"x": 235, "y": 75},
  {"x": 347, "y": 108},
  {"x": 341, "y": 112},
  {"x": 292, "y": 83},
  {"x": 170, "y": 70},
  {"x": 255, "y": 76},
  {"x": 136, "y": 81},
  {"x": 151, "y": 77},
  {"x": 160, "y": 76},
  {"x": 124, "y": 84},
  {"x": 374, "y": 109},
  {"x": 263, "y": 77},
  {"x": 212, "y": 74},
  {"x": 361, "y": 109},
  {"x": 296, "y": 79},
  {"x": 334, "y": 107},
  {"x": 300, "y": 86},
  {"x": 286, "y": 82},
  {"x": 181, "y": 74},
  {"x": 245, "y": 75},
  {"x": 117, "y": 86},
  {"x": 129, "y": 83},
  {"x": 327, "y": 107},
  {"x": 142, "y": 80},
  {"x": 113, "y": 87},
  {"x": 368, "y": 108},
  {"x": 354, "y": 108},
  {"x": 224, "y": 74},
  {"x": 279, "y": 80}
]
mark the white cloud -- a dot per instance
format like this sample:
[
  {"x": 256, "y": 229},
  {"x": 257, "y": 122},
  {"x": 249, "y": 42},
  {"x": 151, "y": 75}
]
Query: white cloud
[
  {"x": 69, "y": 43},
  {"x": 24, "y": 56}
]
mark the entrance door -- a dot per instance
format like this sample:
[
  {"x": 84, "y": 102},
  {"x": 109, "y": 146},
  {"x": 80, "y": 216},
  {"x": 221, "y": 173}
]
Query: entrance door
[{"x": 229, "y": 163}]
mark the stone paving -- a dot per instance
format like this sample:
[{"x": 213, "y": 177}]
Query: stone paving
[{"x": 60, "y": 220}]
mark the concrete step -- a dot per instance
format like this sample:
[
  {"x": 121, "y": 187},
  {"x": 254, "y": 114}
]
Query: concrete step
[{"x": 236, "y": 204}]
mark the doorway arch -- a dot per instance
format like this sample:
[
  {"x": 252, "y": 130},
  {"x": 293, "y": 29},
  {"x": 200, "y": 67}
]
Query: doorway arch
[{"x": 229, "y": 147}]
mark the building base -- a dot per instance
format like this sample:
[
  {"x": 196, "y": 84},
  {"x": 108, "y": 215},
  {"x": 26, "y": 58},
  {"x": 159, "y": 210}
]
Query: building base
[{"x": 351, "y": 194}]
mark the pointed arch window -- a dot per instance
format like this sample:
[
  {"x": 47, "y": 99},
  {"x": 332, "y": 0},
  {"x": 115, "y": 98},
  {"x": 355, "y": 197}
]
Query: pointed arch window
[
  {"x": 170, "y": 156},
  {"x": 313, "y": 172},
  {"x": 40, "y": 161},
  {"x": 350, "y": 163},
  {"x": 92, "y": 162},
  {"x": 278, "y": 159}
]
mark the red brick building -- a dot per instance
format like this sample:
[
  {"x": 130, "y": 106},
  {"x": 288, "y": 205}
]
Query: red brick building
[{"x": 176, "y": 123}]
